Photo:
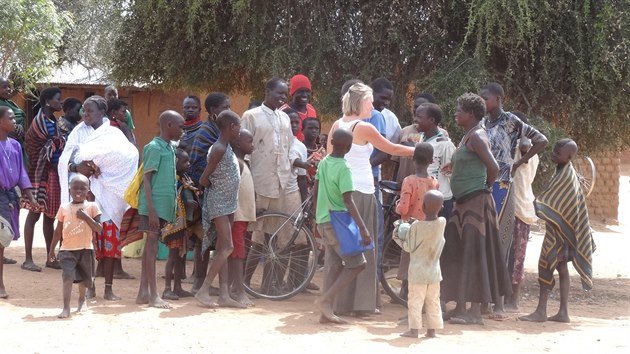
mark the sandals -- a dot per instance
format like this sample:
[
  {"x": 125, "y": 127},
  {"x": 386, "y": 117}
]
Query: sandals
[
  {"x": 31, "y": 266},
  {"x": 498, "y": 316}
]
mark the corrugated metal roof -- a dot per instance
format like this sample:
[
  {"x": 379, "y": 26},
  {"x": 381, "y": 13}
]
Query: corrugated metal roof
[{"x": 77, "y": 75}]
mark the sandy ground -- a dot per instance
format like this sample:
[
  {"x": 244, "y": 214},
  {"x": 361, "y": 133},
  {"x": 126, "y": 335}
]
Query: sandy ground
[{"x": 600, "y": 318}]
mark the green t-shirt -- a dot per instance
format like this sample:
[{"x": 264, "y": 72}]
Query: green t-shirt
[
  {"x": 129, "y": 120},
  {"x": 335, "y": 179},
  {"x": 158, "y": 157}
]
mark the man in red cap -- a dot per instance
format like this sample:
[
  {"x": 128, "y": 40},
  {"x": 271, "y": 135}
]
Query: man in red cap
[{"x": 300, "y": 90}]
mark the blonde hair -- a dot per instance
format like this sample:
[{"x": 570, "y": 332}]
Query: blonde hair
[{"x": 352, "y": 101}]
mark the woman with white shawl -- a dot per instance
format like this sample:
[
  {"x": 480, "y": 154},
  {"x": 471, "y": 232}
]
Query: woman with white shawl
[{"x": 102, "y": 153}]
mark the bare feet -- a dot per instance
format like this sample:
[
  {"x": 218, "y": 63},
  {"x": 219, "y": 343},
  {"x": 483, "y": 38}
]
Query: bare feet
[
  {"x": 205, "y": 300},
  {"x": 226, "y": 301},
  {"x": 335, "y": 319},
  {"x": 213, "y": 291},
  {"x": 534, "y": 317},
  {"x": 430, "y": 333},
  {"x": 327, "y": 313},
  {"x": 3, "y": 294},
  {"x": 82, "y": 306},
  {"x": 90, "y": 293},
  {"x": 109, "y": 295},
  {"x": 142, "y": 298},
  {"x": 498, "y": 316},
  {"x": 560, "y": 317},
  {"x": 451, "y": 313},
  {"x": 243, "y": 299},
  {"x": 157, "y": 302},
  {"x": 183, "y": 293},
  {"x": 511, "y": 308},
  {"x": 412, "y": 333},
  {"x": 169, "y": 294},
  {"x": 64, "y": 314}
]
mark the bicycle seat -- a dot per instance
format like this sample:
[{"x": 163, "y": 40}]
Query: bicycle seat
[{"x": 391, "y": 185}]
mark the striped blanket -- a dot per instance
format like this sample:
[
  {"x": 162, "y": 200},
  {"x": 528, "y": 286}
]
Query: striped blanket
[
  {"x": 568, "y": 233},
  {"x": 205, "y": 136},
  {"x": 40, "y": 148}
]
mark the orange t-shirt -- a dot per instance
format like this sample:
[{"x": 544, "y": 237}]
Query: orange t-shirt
[
  {"x": 412, "y": 196},
  {"x": 77, "y": 234}
]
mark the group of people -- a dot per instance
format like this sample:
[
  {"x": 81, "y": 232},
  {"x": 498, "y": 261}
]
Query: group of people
[{"x": 465, "y": 210}]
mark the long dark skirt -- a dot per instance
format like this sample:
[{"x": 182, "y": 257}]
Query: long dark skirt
[{"x": 473, "y": 268}]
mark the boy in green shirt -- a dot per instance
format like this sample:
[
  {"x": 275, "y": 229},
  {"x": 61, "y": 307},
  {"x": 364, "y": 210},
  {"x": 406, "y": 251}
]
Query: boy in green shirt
[
  {"x": 156, "y": 203},
  {"x": 333, "y": 188}
]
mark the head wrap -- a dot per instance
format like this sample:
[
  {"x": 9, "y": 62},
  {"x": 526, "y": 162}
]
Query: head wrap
[{"x": 297, "y": 82}]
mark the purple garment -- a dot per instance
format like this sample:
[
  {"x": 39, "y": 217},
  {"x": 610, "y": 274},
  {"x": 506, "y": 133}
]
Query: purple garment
[{"x": 12, "y": 174}]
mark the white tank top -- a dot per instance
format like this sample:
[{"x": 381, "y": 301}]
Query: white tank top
[{"x": 359, "y": 159}]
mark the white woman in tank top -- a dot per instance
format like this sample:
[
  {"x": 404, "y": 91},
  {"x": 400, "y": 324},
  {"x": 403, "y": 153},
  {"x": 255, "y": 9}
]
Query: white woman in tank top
[
  {"x": 359, "y": 160},
  {"x": 357, "y": 106}
]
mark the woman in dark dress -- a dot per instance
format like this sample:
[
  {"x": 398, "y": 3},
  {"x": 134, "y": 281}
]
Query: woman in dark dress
[{"x": 472, "y": 266}]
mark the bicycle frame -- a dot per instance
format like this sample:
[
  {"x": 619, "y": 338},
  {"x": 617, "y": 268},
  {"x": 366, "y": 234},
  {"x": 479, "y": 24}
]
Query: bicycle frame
[{"x": 297, "y": 218}]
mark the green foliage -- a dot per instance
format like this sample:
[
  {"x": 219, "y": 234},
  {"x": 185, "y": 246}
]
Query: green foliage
[
  {"x": 566, "y": 61},
  {"x": 30, "y": 33},
  {"x": 90, "y": 40}
]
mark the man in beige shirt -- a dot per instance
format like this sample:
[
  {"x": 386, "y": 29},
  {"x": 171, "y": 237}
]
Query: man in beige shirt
[
  {"x": 271, "y": 129},
  {"x": 270, "y": 165}
]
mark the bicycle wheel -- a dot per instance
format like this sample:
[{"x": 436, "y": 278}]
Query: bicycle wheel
[
  {"x": 587, "y": 173},
  {"x": 390, "y": 262},
  {"x": 283, "y": 264}
]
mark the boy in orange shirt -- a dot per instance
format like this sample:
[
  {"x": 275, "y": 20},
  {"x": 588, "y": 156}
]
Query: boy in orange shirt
[{"x": 78, "y": 220}]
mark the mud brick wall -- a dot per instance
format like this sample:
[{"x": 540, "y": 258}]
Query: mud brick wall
[{"x": 603, "y": 203}]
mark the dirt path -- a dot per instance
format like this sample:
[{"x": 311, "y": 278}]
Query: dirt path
[{"x": 600, "y": 318}]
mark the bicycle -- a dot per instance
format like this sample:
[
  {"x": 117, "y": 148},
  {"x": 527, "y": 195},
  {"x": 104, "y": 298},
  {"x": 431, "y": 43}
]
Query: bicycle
[
  {"x": 587, "y": 173},
  {"x": 275, "y": 271},
  {"x": 390, "y": 261}
]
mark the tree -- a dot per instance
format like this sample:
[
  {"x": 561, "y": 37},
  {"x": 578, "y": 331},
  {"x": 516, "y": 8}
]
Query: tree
[
  {"x": 564, "y": 60},
  {"x": 30, "y": 33},
  {"x": 90, "y": 40}
]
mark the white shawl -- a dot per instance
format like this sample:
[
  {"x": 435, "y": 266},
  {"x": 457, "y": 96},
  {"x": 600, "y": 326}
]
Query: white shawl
[
  {"x": 116, "y": 157},
  {"x": 522, "y": 188}
]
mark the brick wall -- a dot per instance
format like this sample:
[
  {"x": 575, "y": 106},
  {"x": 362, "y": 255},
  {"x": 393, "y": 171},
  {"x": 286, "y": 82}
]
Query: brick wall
[{"x": 603, "y": 202}]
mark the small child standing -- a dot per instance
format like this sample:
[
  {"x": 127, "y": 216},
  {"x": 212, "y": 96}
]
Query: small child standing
[
  {"x": 175, "y": 235},
  {"x": 424, "y": 241},
  {"x": 245, "y": 214},
  {"x": 12, "y": 175},
  {"x": 79, "y": 220},
  {"x": 314, "y": 151},
  {"x": 568, "y": 236},
  {"x": 412, "y": 192},
  {"x": 415, "y": 186},
  {"x": 333, "y": 188},
  {"x": 221, "y": 180},
  {"x": 156, "y": 202}
]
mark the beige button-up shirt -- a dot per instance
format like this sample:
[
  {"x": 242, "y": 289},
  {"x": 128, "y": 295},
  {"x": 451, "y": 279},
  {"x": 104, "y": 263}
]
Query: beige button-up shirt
[{"x": 270, "y": 164}]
